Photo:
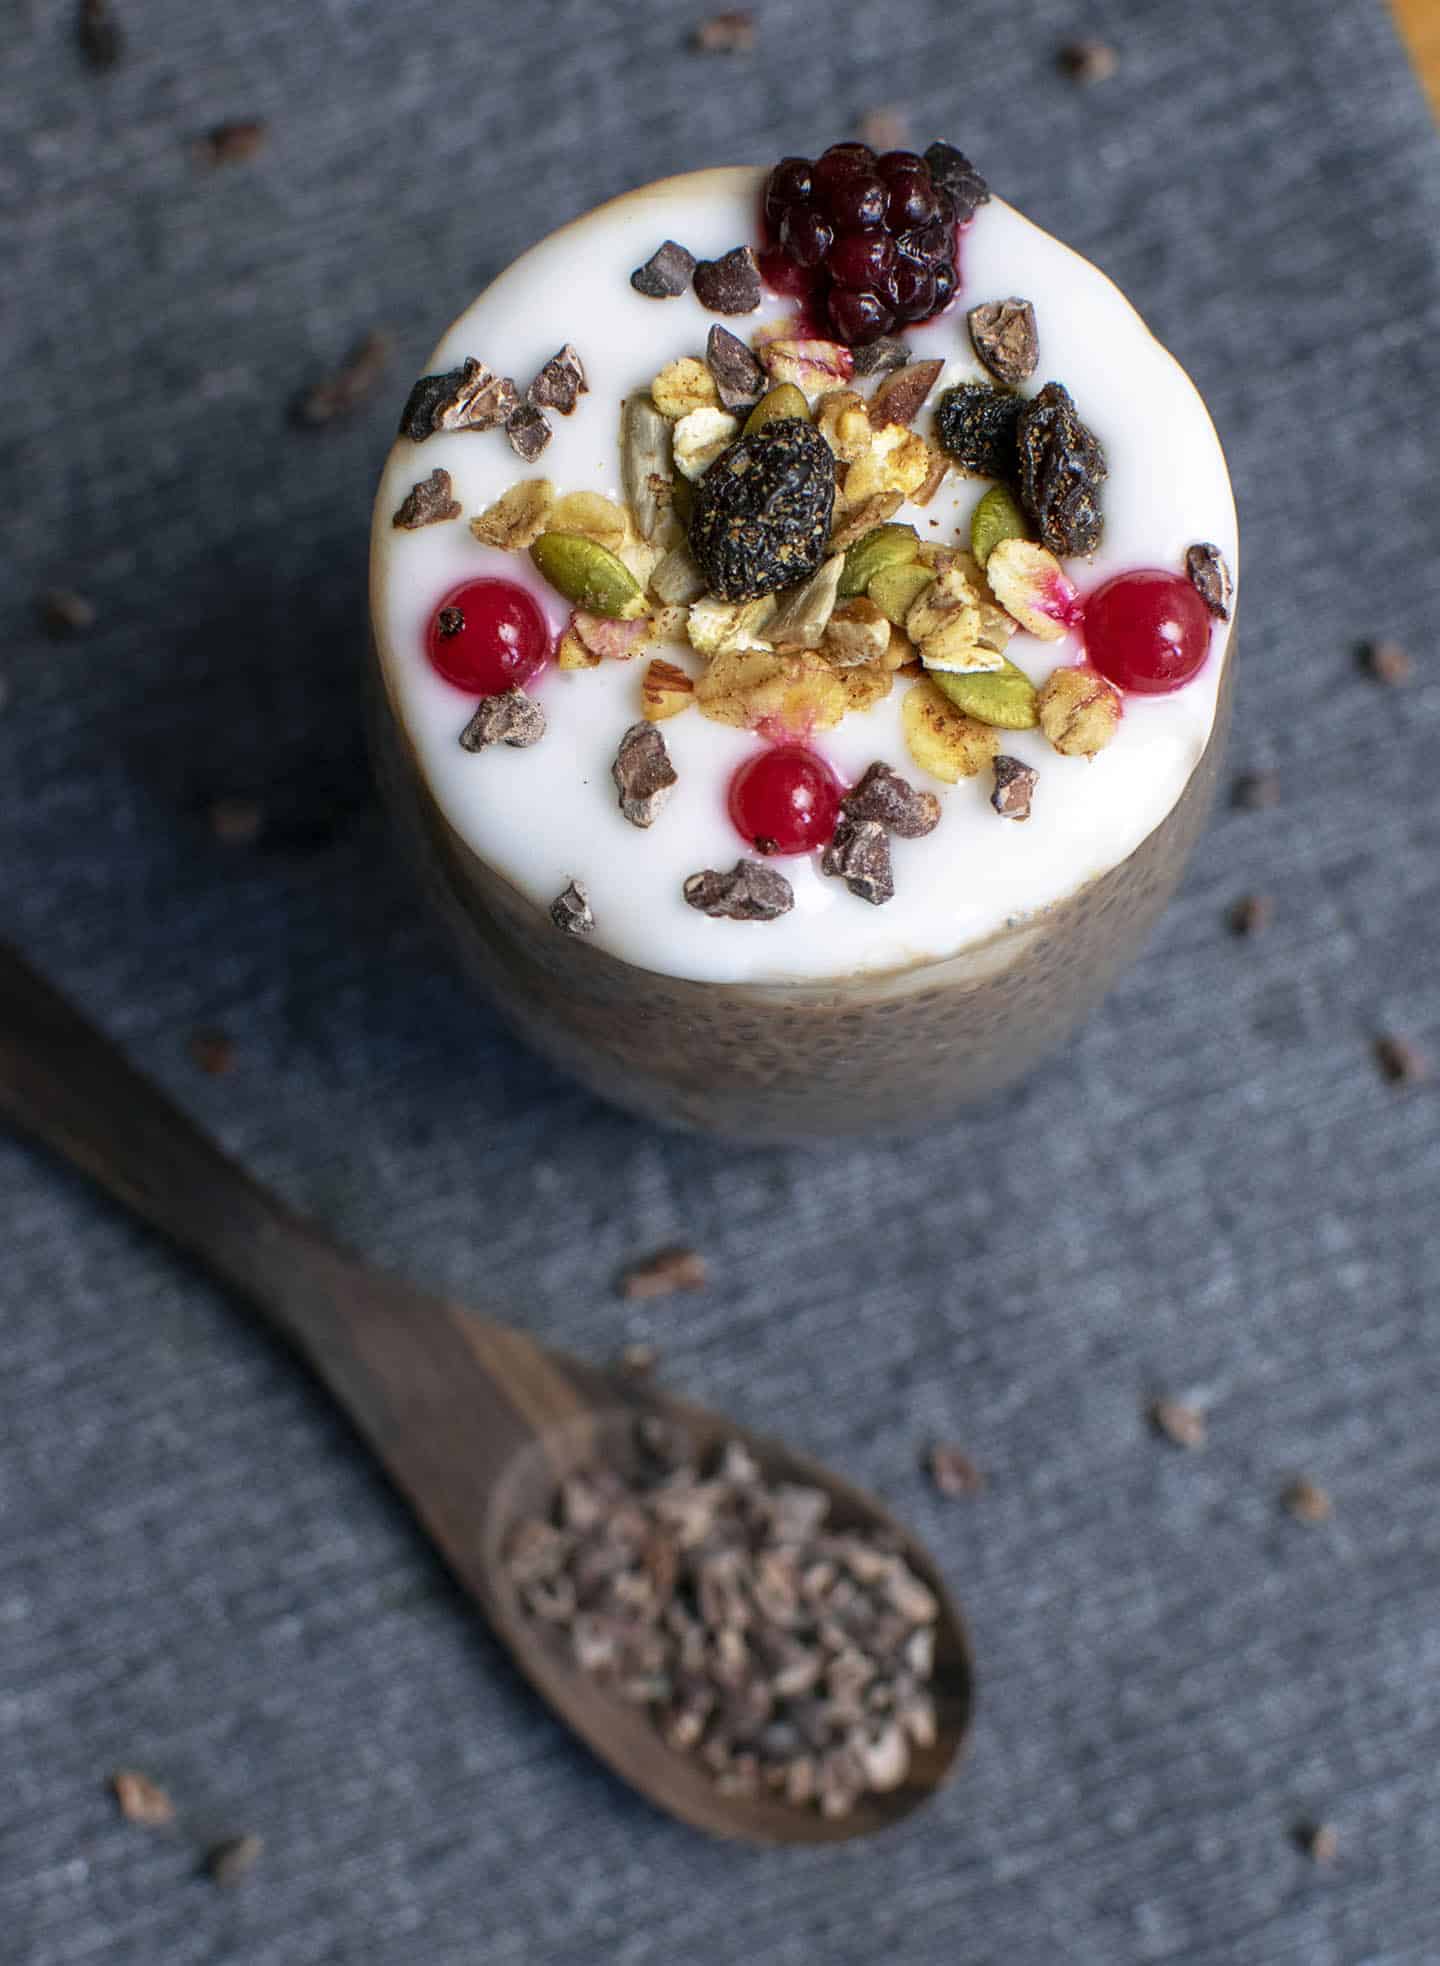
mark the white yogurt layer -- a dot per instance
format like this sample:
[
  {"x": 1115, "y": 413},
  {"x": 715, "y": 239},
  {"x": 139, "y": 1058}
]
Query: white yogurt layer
[{"x": 546, "y": 815}]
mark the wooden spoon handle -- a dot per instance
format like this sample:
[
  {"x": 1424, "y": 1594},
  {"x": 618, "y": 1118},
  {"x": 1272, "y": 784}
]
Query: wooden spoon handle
[{"x": 66, "y": 1084}]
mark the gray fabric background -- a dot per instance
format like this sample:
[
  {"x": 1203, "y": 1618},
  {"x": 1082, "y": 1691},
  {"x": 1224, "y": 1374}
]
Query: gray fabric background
[{"x": 1210, "y": 1193}]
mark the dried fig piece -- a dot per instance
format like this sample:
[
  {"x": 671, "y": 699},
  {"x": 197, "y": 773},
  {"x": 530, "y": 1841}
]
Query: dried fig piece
[{"x": 901, "y": 396}]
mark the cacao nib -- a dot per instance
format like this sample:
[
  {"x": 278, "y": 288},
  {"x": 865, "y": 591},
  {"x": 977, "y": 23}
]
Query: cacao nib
[
  {"x": 571, "y": 910},
  {"x": 750, "y": 892},
  {"x": 643, "y": 773},
  {"x": 1014, "y": 788},
  {"x": 467, "y": 398},
  {"x": 511, "y": 718},
  {"x": 884, "y": 796},
  {"x": 1006, "y": 338},
  {"x": 1210, "y": 577},
  {"x": 730, "y": 284},
  {"x": 955, "y": 174},
  {"x": 561, "y": 382},
  {"x": 859, "y": 855},
  {"x": 527, "y": 431},
  {"x": 668, "y": 272},
  {"x": 427, "y": 503},
  {"x": 737, "y": 373}
]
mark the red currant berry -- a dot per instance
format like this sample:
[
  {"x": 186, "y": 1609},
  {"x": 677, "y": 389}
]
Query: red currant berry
[
  {"x": 805, "y": 236},
  {"x": 861, "y": 259},
  {"x": 858, "y": 316},
  {"x": 1148, "y": 631},
  {"x": 785, "y": 799},
  {"x": 488, "y": 636},
  {"x": 788, "y": 184}
]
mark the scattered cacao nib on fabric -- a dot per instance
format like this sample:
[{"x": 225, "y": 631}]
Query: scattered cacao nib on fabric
[
  {"x": 1401, "y": 1062},
  {"x": 231, "y": 143},
  {"x": 1208, "y": 574},
  {"x": 1386, "y": 662},
  {"x": 761, "y": 514},
  {"x": 467, "y": 398},
  {"x": 1088, "y": 61},
  {"x": 237, "y": 822},
  {"x": 750, "y": 892},
  {"x": 879, "y": 356},
  {"x": 737, "y": 373},
  {"x": 892, "y": 802},
  {"x": 231, "y": 1862},
  {"x": 1181, "y": 1424},
  {"x": 1256, "y": 791},
  {"x": 1252, "y": 915},
  {"x": 728, "y": 33},
  {"x": 666, "y": 274},
  {"x": 886, "y": 127},
  {"x": 953, "y": 1472},
  {"x": 638, "y": 1360},
  {"x": 1307, "y": 1501},
  {"x": 511, "y": 718},
  {"x": 427, "y": 503},
  {"x": 858, "y": 853},
  {"x": 1320, "y": 1842},
  {"x": 571, "y": 910},
  {"x": 141, "y": 1800},
  {"x": 955, "y": 174},
  {"x": 213, "y": 1053},
  {"x": 561, "y": 382},
  {"x": 1006, "y": 338},
  {"x": 643, "y": 773},
  {"x": 64, "y": 613},
  {"x": 100, "y": 36},
  {"x": 792, "y": 1659},
  {"x": 979, "y": 427},
  {"x": 730, "y": 284},
  {"x": 902, "y": 395},
  {"x": 356, "y": 379},
  {"x": 527, "y": 431},
  {"x": 1014, "y": 788},
  {"x": 667, "y": 1271},
  {"x": 1062, "y": 468}
]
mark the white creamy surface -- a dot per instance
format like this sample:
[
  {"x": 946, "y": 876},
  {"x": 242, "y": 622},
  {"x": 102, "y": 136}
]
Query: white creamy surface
[{"x": 544, "y": 815}]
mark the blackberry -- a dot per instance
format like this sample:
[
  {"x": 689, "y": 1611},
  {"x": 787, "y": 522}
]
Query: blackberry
[
  {"x": 761, "y": 517},
  {"x": 977, "y": 425},
  {"x": 870, "y": 240}
]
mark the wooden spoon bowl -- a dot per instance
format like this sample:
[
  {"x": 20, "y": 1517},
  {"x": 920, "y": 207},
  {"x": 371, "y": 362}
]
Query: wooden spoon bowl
[{"x": 475, "y": 1423}]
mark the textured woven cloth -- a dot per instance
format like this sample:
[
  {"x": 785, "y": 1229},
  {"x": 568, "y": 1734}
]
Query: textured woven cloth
[{"x": 1213, "y": 1193}]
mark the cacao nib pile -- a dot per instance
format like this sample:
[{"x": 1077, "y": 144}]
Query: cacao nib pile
[{"x": 793, "y": 1659}]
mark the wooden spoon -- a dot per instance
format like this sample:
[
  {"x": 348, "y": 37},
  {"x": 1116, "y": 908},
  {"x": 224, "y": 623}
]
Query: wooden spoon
[{"x": 474, "y": 1422}]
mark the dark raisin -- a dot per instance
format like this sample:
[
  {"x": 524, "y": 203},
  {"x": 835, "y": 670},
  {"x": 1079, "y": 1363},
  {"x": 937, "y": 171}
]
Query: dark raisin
[
  {"x": 976, "y": 425},
  {"x": 1061, "y": 470},
  {"x": 761, "y": 517}
]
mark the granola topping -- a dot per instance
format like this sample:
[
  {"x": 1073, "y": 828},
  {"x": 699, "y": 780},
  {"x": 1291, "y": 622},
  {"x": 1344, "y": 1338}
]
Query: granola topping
[{"x": 777, "y": 524}]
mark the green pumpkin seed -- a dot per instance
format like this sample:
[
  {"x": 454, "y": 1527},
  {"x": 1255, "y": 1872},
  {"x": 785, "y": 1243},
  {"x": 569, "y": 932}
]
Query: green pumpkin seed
[
  {"x": 895, "y": 590},
  {"x": 996, "y": 517},
  {"x": 886, "y": 546},
  {"x": 786, "y": 400},
  {"x": 588, "y": 574},
  {"x": 1004, "y": 697}
]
